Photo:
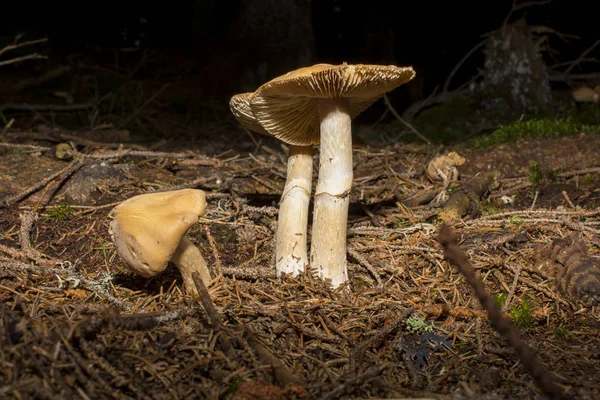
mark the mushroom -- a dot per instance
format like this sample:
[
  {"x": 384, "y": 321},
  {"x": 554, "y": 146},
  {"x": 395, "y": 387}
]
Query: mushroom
[
  {"x": 586, "y": 95},
  {"x": 148, "y": 230},
  {"x": 315, "y": 105},
  {"x": 291, "y": 254},
  {"x": 443, "y": 168}
]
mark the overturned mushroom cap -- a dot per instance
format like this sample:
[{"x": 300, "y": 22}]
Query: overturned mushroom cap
[
  {"x": 240, "y": 108},
  {"x": 287, "y": 108},
  {"x": 148, "y": 228}
]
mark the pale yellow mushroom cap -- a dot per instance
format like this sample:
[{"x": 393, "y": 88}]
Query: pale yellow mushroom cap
[
  {"x": 146, "y": 229},
  {"x": 287, "y": 106}
]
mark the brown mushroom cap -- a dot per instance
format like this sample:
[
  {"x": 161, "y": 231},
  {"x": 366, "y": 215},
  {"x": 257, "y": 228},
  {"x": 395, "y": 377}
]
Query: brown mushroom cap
[
  {"x": 147, "y": 229},
  {"x": 287, "y": 105},
  {"x": 240, "y": 108}
]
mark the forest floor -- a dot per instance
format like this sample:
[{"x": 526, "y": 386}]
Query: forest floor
[{"x": 76, "y": 323}]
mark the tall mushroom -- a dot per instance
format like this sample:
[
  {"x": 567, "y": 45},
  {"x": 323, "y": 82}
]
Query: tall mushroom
[
  {"x": 148, "y": 230},
  {"x": 291, "y": 254},
  {"x": 316, "y": 105}
]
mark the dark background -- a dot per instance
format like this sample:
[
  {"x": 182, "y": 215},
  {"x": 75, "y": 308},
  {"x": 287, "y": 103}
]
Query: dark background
[{"x": 233, "y": 46}]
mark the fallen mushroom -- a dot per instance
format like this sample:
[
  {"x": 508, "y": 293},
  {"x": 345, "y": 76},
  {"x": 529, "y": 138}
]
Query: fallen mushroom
[
  {"x": 291, "y": 254},
  {"x": 316, "y": 105},
  {"x": 585, "y": 95},
  {"x": 148, "y": 230},
  {"x": 443, "y": 168}
]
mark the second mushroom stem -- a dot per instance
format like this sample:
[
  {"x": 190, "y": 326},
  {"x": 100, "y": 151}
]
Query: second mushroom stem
[
  {"x": 188, "y": 259},
  {"x": 332, "y": 194},
  {"x": 291, "y": 255}
]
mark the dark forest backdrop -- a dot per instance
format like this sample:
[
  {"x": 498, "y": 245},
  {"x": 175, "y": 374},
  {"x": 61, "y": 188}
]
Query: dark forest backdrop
[{"x": 232, "y": 46}]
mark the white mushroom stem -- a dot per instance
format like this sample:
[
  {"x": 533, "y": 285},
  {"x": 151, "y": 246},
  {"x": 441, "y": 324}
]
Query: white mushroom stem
[
  {"x": 188, "y": 259},
  {"x": 332, "y": 194},
  {"x": 291, "y": 254}
]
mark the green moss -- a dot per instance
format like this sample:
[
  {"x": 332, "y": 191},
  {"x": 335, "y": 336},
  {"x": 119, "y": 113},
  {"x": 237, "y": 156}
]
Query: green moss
[
  {"x": 535, "y": 129},
  {"x": 59, "y": 212},
  {"x": 522, "y": 313}
]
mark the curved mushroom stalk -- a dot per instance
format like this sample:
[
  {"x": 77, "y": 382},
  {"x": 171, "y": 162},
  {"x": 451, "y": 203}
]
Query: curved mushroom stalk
[
  {"x": 332, "y": 194},
  {"x": 291, "y": 255},
  {"x": 188, "y": 259}
]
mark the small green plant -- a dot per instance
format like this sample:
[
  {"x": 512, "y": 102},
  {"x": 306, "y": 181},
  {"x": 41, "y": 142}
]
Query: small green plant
[
  {"x": 522, "y": 313},
  {"x": 515, "y": 220},
  {"x": 489, "y": 209},
  {"x": 535, "y": 175},
  {"x": 403, "y": 223},
  {"x": 501, "y": 299},
  {"x": 561, "y": 332},
  {"x": 104, "y": 252},
  {"x": 417, "y": 324},
  {"x": 59, "y": 212}
]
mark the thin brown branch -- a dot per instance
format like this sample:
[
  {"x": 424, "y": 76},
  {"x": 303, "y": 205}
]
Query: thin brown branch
[
  {"x": 581, "y": 57},
  {"x": 22, "y": 44},
  {"x": 34, "y": 56},
  {"x": 460, "y": 64},
  {"x": 399, "y": 118},
  {"x": 63, "y": 173},
  {"x": 457, "y": 257}
]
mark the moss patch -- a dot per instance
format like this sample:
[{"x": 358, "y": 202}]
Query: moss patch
[{"x": 535, "y": 129}]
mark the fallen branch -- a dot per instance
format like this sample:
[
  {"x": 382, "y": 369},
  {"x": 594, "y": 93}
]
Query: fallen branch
[
  {"x": 22, "y": 44},
  {"x": 399, "y": 118},
  {"x": 33, "y": 56},
  {"x": 581, "y": 57},
  {"x": 63, "y": 174},
  {"x": 457, "y": 257}
]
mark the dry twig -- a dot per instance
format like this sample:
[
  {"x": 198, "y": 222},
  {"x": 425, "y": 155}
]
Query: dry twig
[{"x": 456, "y": 256}]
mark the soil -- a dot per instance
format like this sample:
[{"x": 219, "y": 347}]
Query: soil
[{"x": 77, "y": 323}]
